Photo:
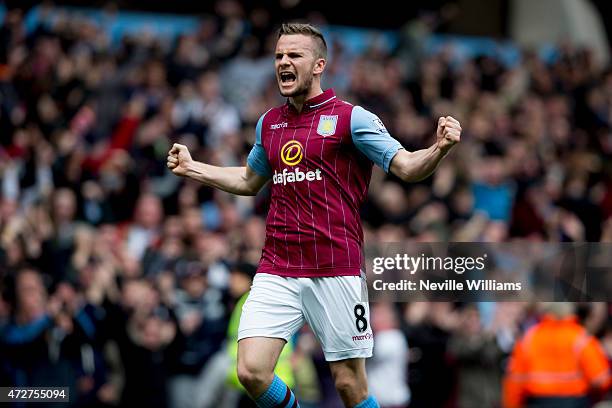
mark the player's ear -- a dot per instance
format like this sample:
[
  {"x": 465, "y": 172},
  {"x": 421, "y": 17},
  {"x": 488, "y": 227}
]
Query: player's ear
[{"x": 319, "y": 66}]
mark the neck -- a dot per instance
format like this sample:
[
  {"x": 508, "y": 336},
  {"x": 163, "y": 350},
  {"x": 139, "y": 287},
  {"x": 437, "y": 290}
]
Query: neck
[{"x": 299, "y": 100}]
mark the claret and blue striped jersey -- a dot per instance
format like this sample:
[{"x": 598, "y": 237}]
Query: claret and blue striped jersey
[{"x": 320, "y": 162}]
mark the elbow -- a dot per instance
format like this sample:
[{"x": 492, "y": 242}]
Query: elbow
[
  {"x": 247, "y": 187},
  {"x": 406, "y": 177},
  {"x": 402, "y": 166},
  {"x": 411, "y": 172},
  {"x": 409, "y": 176},
  {"x": 416, "y": 179},
  {"x": 250, "y": 190},
  {"x": 244, "y": 191}
]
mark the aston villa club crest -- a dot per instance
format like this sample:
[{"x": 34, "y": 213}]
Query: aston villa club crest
[{"x": 327, "y": 125}]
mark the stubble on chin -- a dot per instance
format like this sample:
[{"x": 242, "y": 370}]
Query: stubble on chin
[
  {"x": 300, "y": 90},
  {"x": 291, "y": 94}
]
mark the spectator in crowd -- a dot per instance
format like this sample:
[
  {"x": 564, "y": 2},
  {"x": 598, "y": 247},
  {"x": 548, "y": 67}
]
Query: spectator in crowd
[
  {"x": 53, "y": 340},
  {"x": 149, "y": 342},
  {"x": 428, "y": 327},
  {"x": 202, "y": 315},
  {"x": 388, "y": 368},
  {"x": 478, "y": 357},
  {"x": 557, "y": 363},
  {"x": 145, "y": 230}
]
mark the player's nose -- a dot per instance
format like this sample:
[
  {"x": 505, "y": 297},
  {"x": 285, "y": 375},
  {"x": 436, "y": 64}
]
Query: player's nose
[{"x": 284, "y": 61}]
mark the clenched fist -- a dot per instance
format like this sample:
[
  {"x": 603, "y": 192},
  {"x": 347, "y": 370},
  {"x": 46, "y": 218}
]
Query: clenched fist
[
  {"x": 448, "y": 133},
  {"x": 179, "y": 159}
]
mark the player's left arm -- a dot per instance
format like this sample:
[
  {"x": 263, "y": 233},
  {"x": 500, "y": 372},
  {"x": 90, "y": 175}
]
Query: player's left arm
[
  {"x": 417, "y": 165},
  {"x": 372, "y": 138}
]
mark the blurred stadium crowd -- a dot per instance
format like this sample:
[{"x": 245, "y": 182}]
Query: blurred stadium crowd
[{"x": 119, "y": 279}]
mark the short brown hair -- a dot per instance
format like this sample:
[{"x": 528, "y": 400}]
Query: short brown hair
[{"x": 308, "y": 30}]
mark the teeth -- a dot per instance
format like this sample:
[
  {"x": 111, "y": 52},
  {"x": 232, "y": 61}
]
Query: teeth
[{"x": 287, "y": 76}]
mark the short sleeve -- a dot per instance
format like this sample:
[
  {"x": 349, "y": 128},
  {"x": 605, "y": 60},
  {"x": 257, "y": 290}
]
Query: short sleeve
[
  {"x": 372, "y": 138},
  {"x": 258, "y": 160}
]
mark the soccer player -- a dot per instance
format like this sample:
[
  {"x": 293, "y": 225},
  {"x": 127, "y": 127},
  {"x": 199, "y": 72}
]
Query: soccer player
[{"x": 318, "y": 151}]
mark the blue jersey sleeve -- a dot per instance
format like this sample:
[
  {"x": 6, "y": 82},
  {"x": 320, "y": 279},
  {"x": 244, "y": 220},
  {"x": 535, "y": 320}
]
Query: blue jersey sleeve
[
  {"x": 372, "y": 138},
  {"x": 258, "y": 160}
]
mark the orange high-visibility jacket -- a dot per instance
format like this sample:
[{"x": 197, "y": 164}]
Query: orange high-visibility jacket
[{"x": 555, "y": 358}]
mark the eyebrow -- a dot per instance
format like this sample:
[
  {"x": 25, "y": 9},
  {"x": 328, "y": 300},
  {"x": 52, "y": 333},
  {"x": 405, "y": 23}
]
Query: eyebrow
[{"x": 290, "y": 52}]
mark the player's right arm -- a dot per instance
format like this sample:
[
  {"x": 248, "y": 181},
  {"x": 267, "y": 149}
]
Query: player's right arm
[
  {"x": 235, "y": 180},
  {"x": 246, "y": 180}
]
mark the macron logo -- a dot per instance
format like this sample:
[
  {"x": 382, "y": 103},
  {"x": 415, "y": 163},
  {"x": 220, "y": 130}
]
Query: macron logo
[
  {"x": 278, "y": 126},
  {"x": 366, "y": 336}
]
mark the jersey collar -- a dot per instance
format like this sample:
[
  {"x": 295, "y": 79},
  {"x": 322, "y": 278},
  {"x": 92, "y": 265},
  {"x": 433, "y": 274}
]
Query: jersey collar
[
  {"x": 318, "y": 101},
  {"x": 321, "y": 99}
]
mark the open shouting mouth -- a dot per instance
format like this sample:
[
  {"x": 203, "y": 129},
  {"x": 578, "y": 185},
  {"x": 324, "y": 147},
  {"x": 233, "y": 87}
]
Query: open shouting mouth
[{"x": 287, "y": 78}]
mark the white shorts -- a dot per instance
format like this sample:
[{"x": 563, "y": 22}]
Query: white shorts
[{"x": 336, "y": 308}]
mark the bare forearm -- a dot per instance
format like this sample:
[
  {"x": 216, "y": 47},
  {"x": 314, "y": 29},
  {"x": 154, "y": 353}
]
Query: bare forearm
[
  {"x": 418, "y": 165},
  {"x": 231, "y": 179},
  {"x": 415, "y": 166}
]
